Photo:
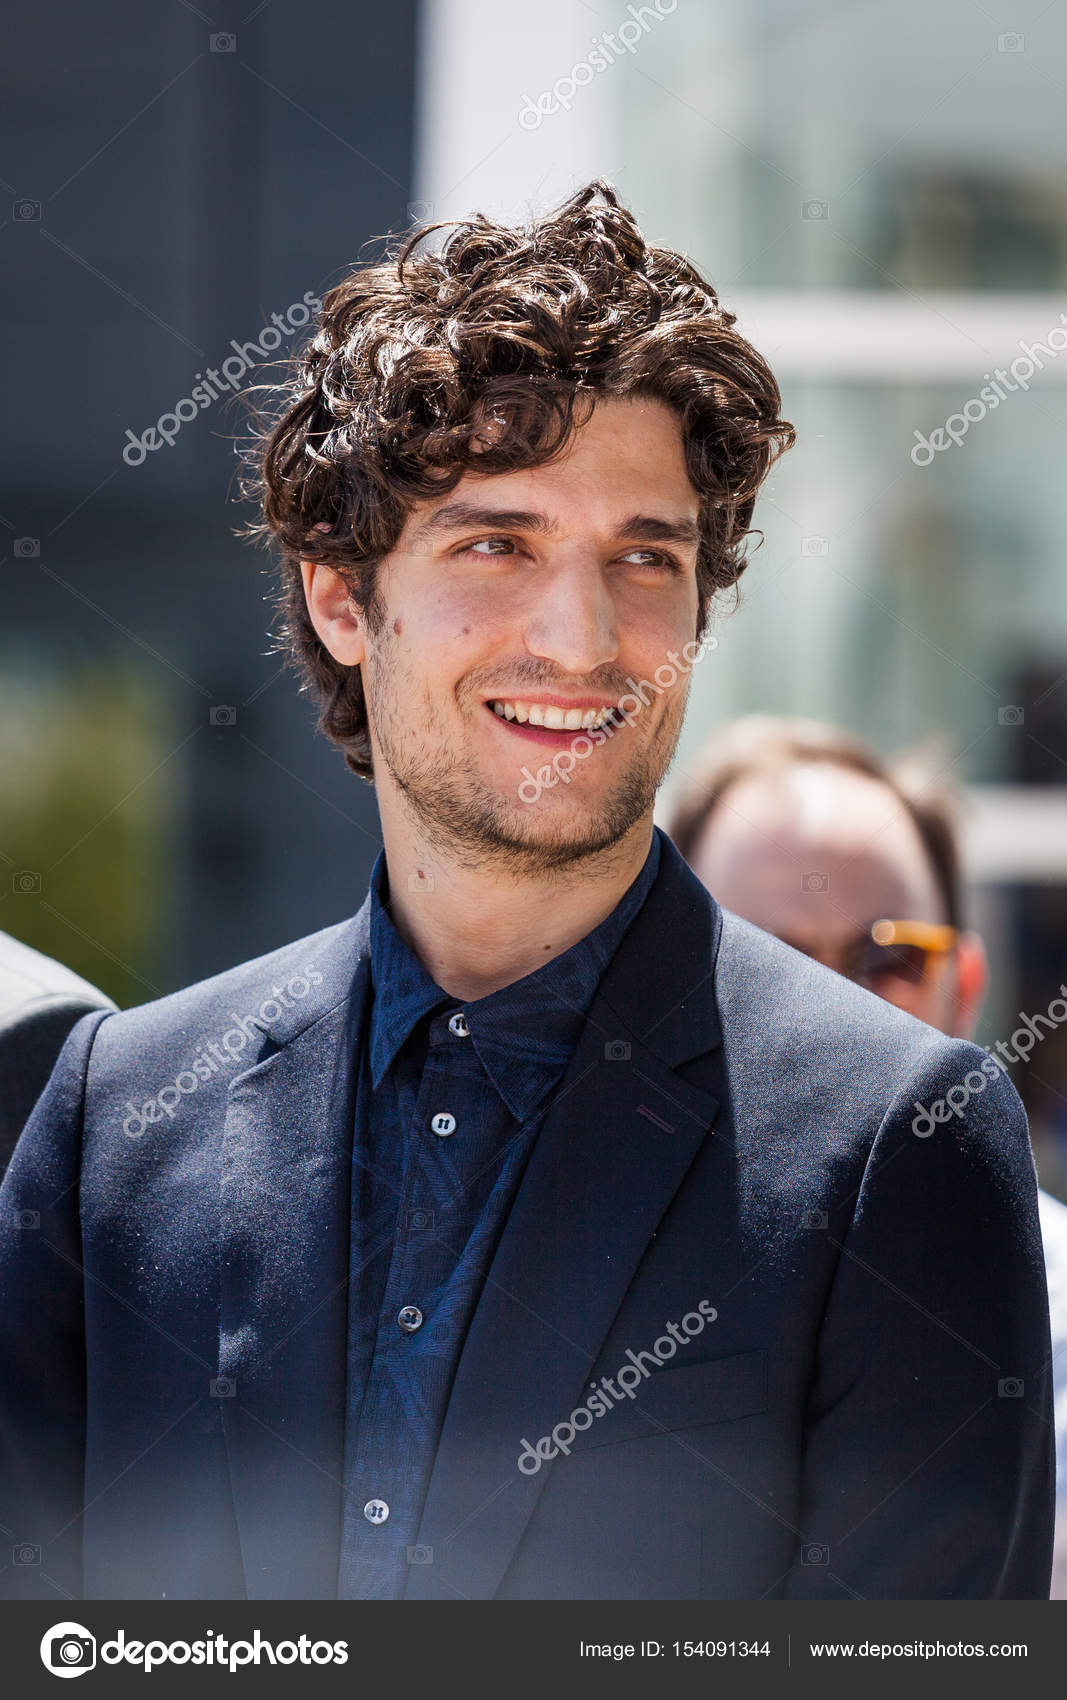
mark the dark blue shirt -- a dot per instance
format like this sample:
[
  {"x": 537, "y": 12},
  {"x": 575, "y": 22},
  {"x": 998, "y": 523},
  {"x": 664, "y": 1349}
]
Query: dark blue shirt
[{"x": 449, "y": 1100}]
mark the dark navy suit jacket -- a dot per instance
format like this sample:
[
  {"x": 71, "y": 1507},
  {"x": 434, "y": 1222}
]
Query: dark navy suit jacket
[{"x": 868, "y": 1414}]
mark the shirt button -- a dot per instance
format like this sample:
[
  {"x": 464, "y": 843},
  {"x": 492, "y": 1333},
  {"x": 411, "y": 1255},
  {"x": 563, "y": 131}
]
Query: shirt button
[
  {"x": 457, "y": 1024},
  {"x": 443, "y": 1124},
  {"x": 376, "y": 1511},
  {"x": 410, "y": 1318}
]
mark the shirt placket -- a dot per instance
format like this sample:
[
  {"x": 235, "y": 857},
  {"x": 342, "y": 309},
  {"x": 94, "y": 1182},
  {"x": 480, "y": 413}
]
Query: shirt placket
[{"x": 393, "y": 1457}]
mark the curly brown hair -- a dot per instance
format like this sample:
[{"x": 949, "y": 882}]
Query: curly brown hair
[{"x": 520, "y": 328}]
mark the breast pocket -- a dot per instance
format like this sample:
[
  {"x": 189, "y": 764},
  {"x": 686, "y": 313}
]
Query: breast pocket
[{"x": 718, "y": 1390}]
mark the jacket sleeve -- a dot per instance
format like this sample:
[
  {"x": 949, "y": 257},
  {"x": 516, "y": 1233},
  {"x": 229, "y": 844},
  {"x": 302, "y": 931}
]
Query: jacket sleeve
[
  {"x": 30, "y": 1043},
  {"x": 929, "y": 1456},
  {"x": 42, "y": 1342}
]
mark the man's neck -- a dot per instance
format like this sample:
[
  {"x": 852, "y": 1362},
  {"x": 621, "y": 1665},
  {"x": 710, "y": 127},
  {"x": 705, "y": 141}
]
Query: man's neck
[{"x": 476, "y": 930}]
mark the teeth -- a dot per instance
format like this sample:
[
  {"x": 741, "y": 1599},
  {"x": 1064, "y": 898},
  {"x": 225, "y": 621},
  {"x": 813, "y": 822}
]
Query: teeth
[{"x": 557, "y": 719}]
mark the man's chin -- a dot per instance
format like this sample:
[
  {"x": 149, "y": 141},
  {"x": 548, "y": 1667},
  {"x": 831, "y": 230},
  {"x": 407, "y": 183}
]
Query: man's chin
[
  {"x": 528, "y": 821},
  {"x": 562, "y": 825},
  {"x": 556, "y": 845}
]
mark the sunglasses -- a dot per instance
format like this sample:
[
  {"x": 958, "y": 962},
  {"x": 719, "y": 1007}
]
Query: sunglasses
[{"x": 897, "y": 950}]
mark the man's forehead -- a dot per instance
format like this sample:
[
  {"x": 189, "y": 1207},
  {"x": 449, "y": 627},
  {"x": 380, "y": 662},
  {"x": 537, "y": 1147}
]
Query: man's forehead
[
  {"x": 770, "y": 830},
  {"x": 627, "y": 448},
  {"x": 821, "y": 800}
]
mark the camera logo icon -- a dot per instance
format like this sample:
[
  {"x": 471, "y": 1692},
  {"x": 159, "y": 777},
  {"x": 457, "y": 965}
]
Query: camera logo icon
[
  {"x": 24, "y": 1553},
  {"x": 815, "y": 209},
  {"x": 26, "y": 212},
  {"x": 617, "y": 1050},
  {"x": 25, "y": 883},
  {"x": 223, "y": 714},
  {"x": 420, "y": 880},
  {"x": 815, "y": 882},
  {"x": 26, "y": 548},
  {"x": 1011, "y": 715},
  {"x": 27, "y": 1218},
  {"x": 812, "y": 546},
  {"x": 420, "y": 1555},
  {"x": 1011, "y": 42},
  {"x": 814, "y": 1219},
  {"x": 814, "y": 1553},
  {"x": 68, "y": 1649},
  {"x": 1010, "y": 1387},
  {"x": 419, "y": 1220},
  {"x": 223, "y": 1387},
  {"x": 223, "y": 42}
]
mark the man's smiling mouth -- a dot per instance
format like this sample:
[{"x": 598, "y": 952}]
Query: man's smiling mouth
[
  {"x": 553, "y": 724},
  {"x": 576, "y": 717}
]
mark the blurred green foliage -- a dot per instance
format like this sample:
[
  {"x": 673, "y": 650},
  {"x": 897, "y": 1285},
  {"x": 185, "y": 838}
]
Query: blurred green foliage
[{"x": 87, "y": 807}]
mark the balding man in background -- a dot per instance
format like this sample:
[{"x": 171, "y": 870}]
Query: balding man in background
[
  {"x": 808, "y": 834},
  {"x": 40, "y": 1001}
]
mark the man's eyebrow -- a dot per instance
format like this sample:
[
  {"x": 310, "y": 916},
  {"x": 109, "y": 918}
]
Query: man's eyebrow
[
  {"x": 651, "y": 529},
  {"x": 463, "y": 516}
]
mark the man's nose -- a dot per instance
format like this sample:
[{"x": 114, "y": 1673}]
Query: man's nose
[{"x": 573, "y": 622}]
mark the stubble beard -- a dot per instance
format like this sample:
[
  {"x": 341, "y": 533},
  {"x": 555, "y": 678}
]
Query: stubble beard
[{"x": 468, "y": 823}]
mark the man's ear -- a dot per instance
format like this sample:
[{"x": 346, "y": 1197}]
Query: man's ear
[
  {"x": 972, "y": 977},
  {"x": 333, "y": 613}
]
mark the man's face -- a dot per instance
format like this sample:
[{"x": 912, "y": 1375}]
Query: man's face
[
  {"x": 540, "y": 589},
  {"x": 816, "y": 854}
]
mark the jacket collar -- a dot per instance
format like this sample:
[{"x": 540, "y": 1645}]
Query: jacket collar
[{"x": 669, "y": 978}]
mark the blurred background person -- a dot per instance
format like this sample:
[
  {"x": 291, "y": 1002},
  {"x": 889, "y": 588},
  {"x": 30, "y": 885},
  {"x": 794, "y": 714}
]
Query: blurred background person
[
  {"x": 40, "y": 1001},
  {"x": 809, "y": 834}
]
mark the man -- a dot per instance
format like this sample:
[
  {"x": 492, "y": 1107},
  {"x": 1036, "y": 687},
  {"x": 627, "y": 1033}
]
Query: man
[
  {"x": 465, "y": 1249},
  {"x": 878, "y": 843},
  {"x": 40, "y": 1001}
]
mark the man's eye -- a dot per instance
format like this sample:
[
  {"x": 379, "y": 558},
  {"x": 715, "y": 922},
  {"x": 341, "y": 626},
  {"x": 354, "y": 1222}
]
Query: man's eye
[
  {"x": 654, "y": 558},
  {"x": 489, "y": 546}
]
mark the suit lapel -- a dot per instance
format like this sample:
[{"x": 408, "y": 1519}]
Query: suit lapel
[
  {"x": 285, "y": 1193},
  {"x": 614, "y": 1148}
]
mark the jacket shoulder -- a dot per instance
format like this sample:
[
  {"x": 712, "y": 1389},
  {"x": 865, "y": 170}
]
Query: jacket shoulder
[
  {"x": 278, "y": 993},
  {"x": 787, "y": 1017}
]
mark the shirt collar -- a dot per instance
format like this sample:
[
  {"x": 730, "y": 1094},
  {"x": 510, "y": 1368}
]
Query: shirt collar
[{"x": 524, "y": 1033}]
